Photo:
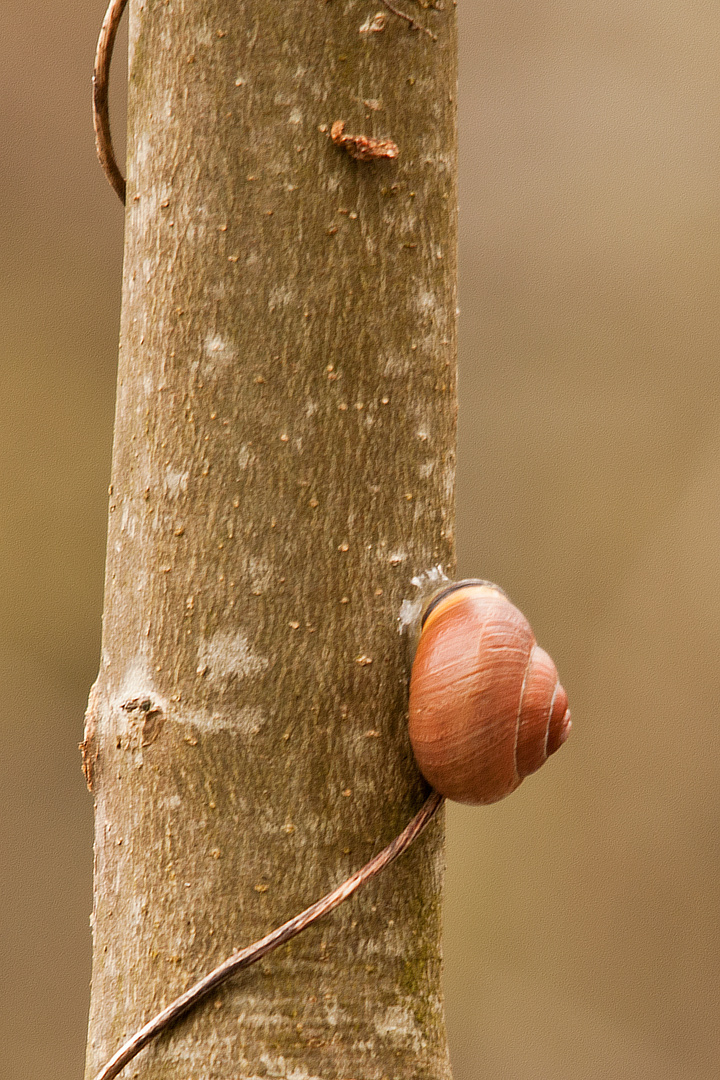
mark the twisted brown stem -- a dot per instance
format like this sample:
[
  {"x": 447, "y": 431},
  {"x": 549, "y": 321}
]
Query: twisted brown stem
[{"x": 245, "y": 957}]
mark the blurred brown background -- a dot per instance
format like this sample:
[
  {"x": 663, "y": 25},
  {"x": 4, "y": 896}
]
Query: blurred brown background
[{"x": 582, "y": 914}]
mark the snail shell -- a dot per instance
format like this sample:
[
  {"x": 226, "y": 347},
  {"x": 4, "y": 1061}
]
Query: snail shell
[{"x": 486, "y": 706}]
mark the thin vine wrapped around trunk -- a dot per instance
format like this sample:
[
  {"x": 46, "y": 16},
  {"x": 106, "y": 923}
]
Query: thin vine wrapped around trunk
[{"x": 283, "y": 466}]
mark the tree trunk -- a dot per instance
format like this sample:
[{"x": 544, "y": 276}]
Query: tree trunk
[{"x": 283, "y": 466}]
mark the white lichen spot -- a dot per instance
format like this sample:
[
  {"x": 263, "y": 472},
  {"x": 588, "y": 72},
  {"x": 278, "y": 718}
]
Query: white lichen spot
[
  {"x": 426, "y": 469},
  {"x": 166, "y": 38},
  {"x": 426, "y": 584},
  {"x": 397, "y": 367},
  {"x": 206, "y": 35},
  {"x": 253, "y": 1013},
  {"x": 299, "y": 1072},
  {"x": 409, "y": 612},
  {"x": 374, "y": 24},
  {"x": 430, "y": 579},
  {"x": 141, "y": 151},
  {"x": 247, "y": 720},
  {"x": 441, "y": 161},
  {"x": 258, "y": 572},
  {"x": 420, "y": 512},
  {"x": 311, "y": 408},
  {"x": 399, "y": 1026},
  {"x": 281, "y": 296},
  {"x": 371, "y": 245},
  {"x": 128, "y": 521},
  {"x": 426, "y": 302},
  {"x": 176, "y": 482},
  {"x": 148, "y": 270},
  {"x": 332, "y": 1014},
  {"x": 295, "y": 116},
  {"x": 245, "y": 457},
  {"x": 138, "y": 904},
  {"x": 218, "y": 353},
  {"x": 228, "y": 654},
  {"x": 449, "y": 483},
  {"x": 279, "y": 1069},
  {"x": 275, "y": 1065}
]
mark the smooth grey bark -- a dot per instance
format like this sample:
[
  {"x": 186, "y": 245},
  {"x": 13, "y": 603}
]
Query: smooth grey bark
[{"x": 283, "y": 466}]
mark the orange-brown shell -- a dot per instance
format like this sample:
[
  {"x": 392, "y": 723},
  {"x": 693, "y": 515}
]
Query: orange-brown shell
[{"x": 486, "y": 706}]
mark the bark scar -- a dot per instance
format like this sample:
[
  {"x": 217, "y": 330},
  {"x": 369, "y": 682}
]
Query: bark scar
[
  {"x": 152, "y": 714},
  {"x": 362, "y": 147}
]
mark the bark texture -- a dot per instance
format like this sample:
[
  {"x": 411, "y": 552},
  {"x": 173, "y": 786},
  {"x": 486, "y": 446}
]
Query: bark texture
[{"x": 283, "y": 466}]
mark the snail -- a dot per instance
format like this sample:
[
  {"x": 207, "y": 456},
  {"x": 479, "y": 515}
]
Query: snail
[
  {"x": 486, "y": 710},
  {"x": 486, "y": 706}
]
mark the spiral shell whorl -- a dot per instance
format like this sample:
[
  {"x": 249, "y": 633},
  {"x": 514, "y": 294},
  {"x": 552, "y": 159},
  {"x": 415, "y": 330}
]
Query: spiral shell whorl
[
  {"x": 543, "y": 724},
  {"x": 486, "y": 707}
]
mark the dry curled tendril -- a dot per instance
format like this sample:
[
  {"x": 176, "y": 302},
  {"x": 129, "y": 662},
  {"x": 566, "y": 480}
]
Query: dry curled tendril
[
  {"x": 252, "y": 953},
  {"x": 101, "y": 108}
]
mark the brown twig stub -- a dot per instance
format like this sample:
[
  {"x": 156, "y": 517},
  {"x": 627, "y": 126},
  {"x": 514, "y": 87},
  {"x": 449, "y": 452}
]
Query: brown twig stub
[
  {"x": 412, "y": 23},
  {"x": 362, "y": 147},
  {"x": 101, "y": 84},
  {"x": 245, "y": 957}
]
